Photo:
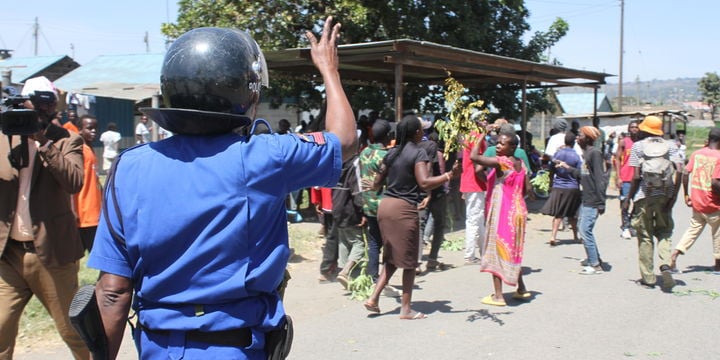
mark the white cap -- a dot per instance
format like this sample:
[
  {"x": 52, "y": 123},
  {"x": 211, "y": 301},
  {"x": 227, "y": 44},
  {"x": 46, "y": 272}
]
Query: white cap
[{"x": 39, "y": 83}]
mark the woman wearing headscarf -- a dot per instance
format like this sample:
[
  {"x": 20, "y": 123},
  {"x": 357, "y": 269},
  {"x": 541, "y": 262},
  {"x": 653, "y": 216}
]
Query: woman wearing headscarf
[
  {"x": 593, "y": 184},
  {"x": 407, "y": 170},
  {"x": 564, "y": 200}
]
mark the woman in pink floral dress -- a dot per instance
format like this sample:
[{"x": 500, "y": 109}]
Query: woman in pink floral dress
[{"x": 505, "y": 216}]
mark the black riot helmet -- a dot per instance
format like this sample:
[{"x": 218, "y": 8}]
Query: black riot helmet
[{"x": 210, "y": 81}]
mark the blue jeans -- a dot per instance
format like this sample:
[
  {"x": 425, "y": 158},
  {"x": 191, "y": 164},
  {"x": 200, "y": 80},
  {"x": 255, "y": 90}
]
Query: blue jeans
[
  {"x": 588, "y": 216},
  {"x": 625, "y": 214}
]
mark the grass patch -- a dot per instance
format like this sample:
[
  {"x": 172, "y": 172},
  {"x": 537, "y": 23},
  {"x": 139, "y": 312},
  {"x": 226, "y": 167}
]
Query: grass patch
[
  {"x": 303, "y": 239},
  {"x": 453, "y": 243},
  {"x": 695, "y": 138}
]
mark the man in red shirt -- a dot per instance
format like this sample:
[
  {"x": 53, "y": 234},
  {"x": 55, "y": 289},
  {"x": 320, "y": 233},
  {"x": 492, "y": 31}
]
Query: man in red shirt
[
  {"x": 704, "y": 180},
  {"x": 625, "y": 174},
  {"x": 473, "y": 190},
  {"x": 322, "y": 199}
]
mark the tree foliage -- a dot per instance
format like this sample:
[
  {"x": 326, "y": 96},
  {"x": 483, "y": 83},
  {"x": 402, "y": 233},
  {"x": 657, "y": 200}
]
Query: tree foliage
[
  {"x": 490, "y": 26},
  {"x": 709, "y": 87}
]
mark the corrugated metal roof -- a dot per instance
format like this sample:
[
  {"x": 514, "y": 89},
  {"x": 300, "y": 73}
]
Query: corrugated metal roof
[
  {"x": 428, "y": 63},
  {"x": 582, "y": 103},
  {"x": 24, "y": 68},
  {"x": 133, "y": 77}
]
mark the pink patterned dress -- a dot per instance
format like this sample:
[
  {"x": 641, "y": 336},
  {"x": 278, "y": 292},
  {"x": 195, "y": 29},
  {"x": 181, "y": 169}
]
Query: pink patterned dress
[{"x": 505, "y": 215}]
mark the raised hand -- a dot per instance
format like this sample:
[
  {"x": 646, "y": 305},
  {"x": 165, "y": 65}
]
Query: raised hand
[{"x": 324, "y": 51}]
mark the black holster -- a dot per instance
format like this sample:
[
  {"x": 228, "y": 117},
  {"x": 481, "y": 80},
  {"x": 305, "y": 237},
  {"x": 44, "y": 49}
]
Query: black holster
[
  {"x": 85, "y": 318},
  {"x": 279, "y": 341}
]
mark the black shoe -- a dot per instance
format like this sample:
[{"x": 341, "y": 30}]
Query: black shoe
[
  {"x": 643, "y": 284},
  {"x": 667, "y": 280}
]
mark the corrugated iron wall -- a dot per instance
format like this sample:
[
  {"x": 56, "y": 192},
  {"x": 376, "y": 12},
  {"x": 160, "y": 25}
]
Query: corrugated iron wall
[{"x": 119, "y": 111}]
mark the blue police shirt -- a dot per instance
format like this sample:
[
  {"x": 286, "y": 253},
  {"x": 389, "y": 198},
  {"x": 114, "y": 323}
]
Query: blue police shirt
[{"x": 204, "y": 224}]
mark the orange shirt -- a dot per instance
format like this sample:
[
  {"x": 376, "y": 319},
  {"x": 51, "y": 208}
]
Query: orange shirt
[
  {"x": 88, "y": 201},
  {"x": 71, "y": 127}
]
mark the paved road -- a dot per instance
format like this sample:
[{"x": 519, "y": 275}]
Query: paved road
[{"x": 570, "y": 316}]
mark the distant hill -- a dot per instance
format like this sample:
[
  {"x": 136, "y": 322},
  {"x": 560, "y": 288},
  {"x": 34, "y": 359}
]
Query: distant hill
[{"x": 654, "y": 92}]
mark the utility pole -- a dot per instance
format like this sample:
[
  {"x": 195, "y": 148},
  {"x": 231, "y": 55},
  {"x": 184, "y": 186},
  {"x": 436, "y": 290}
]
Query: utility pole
[
  {"x": 36, "y": 30},
  {"x": 620, "y": 82}
]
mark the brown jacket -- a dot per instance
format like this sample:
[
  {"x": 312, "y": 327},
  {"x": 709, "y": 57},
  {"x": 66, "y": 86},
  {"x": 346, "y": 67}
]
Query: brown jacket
[{"x": 57, "y": 173}]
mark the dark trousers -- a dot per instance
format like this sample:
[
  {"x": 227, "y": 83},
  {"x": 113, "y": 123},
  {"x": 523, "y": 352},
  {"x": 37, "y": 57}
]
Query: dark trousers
[
  {"x": 328, "y": 265},
  {"x": 437, "y": 208},
  {"x": 374, "y": 245},
  {"x": 87, "y": 235}
]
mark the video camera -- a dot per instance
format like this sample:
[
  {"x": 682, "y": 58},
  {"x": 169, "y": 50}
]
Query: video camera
[{"x": 15, "y": 118}]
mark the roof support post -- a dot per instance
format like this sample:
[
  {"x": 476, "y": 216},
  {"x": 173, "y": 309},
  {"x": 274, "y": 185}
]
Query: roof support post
[
  {"x": 596, "y": 119},
  {"x": 399, "y": 89},
  {"x": 523, "y": 138}
]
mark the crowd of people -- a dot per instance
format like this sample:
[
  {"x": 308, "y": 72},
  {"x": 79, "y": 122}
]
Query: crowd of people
[{"x": 494, "y": 172}]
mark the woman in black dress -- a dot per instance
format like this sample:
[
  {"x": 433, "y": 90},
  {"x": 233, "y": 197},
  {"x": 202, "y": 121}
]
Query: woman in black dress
[{"x": 406, "y": 169}]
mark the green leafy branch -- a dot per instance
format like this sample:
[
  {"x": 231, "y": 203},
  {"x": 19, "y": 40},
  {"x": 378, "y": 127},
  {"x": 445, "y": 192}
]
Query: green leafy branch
[
  {"x": 361, "y": 287},
  {"x": 541, "y": 181},
  {"x": 463, "y": 118},
  {"x": 711, "y": 293}
]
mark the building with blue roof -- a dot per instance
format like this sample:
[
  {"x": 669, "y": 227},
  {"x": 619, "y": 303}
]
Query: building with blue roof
[
  {"x": 23, "y": 68},
  {"x": 582, "y": 103}
]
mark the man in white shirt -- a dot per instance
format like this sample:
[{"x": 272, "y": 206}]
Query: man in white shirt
[
  {"x": 111, "y": 142},
  {"x": 558, "y": 140},
  {"x": 143, "y": 131}
]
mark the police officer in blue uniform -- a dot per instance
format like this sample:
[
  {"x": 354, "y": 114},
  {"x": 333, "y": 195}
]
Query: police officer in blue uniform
[{"x": 195, "y": 225}]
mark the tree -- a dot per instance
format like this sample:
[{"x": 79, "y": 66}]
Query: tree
[
  {"x": 490, "y": 26},
  {"x": 709, "y": 87}
]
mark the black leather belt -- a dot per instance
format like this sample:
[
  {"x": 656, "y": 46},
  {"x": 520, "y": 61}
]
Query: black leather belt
[
  {"x": 236, "y": 337},
  {"x": 27, "y": 246}
]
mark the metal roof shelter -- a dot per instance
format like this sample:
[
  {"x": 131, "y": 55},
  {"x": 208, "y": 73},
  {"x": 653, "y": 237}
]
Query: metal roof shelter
[{"x": 396, "y": 62}]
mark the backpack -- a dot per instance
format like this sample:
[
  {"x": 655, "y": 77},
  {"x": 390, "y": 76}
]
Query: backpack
[
  {"x": 656, "y": 169},
  {"x": 346, "y": 199}
]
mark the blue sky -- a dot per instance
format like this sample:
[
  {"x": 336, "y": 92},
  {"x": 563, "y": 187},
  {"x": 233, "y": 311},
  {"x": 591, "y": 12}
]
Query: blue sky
[
  {"x": 664, "y": 39},
  {"x": 93, "y": 27}
]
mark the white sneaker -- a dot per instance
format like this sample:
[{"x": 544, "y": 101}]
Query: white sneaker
[
  {"x": 626, "y": 234},
  {"x": 589, "y": 270}
]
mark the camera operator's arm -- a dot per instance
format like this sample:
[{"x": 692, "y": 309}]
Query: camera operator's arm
[
  {"x": 63, "y": 158},
  {"x": 114, "y": 295},
  {"x": 340, "y": 119}
]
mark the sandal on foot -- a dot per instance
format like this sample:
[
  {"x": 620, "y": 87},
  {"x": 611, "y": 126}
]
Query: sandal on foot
[
  {"x": 372, "y": 308},
  {"x": 436, "y": 265},
  {"x": 343, "y": 280},
  {"x": 489, "y": 300},
  {"x": 416, "y": 316},
  {"x": 522, "y": 296},
  {"x": 553, "y": 242}
]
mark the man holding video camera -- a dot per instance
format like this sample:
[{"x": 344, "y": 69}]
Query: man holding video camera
[{"x": 41, "y": 165}]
